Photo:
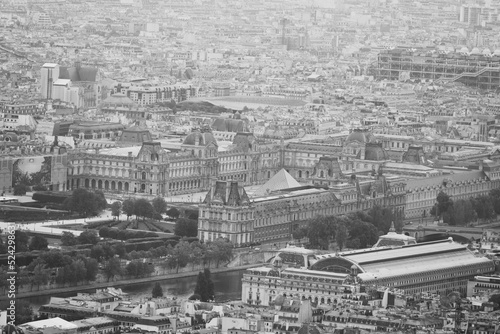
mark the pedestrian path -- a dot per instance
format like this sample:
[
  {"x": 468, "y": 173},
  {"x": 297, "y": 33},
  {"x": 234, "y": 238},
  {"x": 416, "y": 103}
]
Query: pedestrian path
[{"x": 56, "y": 227}]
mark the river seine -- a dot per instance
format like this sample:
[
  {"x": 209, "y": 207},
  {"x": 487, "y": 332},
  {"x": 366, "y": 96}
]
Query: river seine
[{"x": 227, "y": 287}]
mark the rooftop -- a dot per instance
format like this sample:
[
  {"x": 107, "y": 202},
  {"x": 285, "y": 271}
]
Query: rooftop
[{"x": 281, "y": 180}]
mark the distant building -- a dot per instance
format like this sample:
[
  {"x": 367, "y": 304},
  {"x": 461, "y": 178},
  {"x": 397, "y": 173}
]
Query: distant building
[
  {"x": 474, "y": 68},
  {"x": 49, "y": 74},
  {"x": 76, "y": 85},
  {"x": 407, "y": 270},
  {"x": 483, "y": 285},
  {"x": 22, "y": 109}
]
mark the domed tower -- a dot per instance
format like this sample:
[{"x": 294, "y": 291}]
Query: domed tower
[
  {"x": 202, "y": 145},
  {"x": 355, "y": 146}
]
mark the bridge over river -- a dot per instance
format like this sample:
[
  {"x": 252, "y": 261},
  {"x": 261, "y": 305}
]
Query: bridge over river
[{"x": 430, "y": 232}]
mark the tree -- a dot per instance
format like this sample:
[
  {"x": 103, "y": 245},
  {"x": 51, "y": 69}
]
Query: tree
[
  {"x": 92, "y": 268},
  {"x": 319, "y": 232},
  {"x": 40, "y": 276},
  {"x": 362, "y": 234},
  {"x": 116, "y": 209},
  {"x": 483, "y": 205},
  {"x": 142, "y": 208},
  {"x": 100, "y": 200},
  {"x": 341, "y": 235},
  {"x": 173, "y": 212},
  {"x": 299, "y": 233},
  {"x": 68, "y": 239},
  {"x": 461, "y": 213},
  {"x": 20, "y": 189},
  {"x": 157, "y": 291},
  {"x": 495, "y": 299},
  {"x": 201, "y": 288},
  {"x": 494, "y": 195},
  {"x": 22, "y": 241},
  {"x": 132, "y": 268},
  {"x": 159, "y": 205},
  {"x": 24, "y": 312},
  {"x": 38, "y": 242},
  {"x": 128, "y": 207},
  {"x": 204, "y": 286},
  {"x": 221, "y": 250},
  {"x": 102, "y": 252},
  {"x": 112, "y": 268},
  {"x": 444, "y": 202},
  {"x": 210, "y": 284},
  {"x": 381, "y": 218},
  {"x": 186, "y": 227},
  {"x": 180, "y": 254},
  {"x": 55, "y": 259},
  {"x": 85, "y": 202},
  {"x": 88, "y": 237},
  {"x": 79, "y": 271},
  {"x": 196, "y": 253}
]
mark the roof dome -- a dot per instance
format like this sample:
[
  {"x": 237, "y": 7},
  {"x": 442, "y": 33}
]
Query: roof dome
[
  {"x": 9, "y": 136},
  {"x": 486, "y": 52},
  {"x": 375, "y": 152},
  {"x": 360, "y": 135},
  {"x": 199, "y": 138},
  {"x": 136, "y": 135},
  {"x": 497, "y": 52},
  {"x": 279, "y": 300},
  {"x": 464, "y": 50},
  {"x": 235, "y": 124},
  {"x": 118, "y": 100},
  {"x": 308, "y": 328}
]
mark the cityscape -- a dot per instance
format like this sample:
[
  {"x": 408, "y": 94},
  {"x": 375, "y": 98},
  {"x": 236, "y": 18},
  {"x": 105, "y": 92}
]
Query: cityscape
[{"x": 235, "y": 167}]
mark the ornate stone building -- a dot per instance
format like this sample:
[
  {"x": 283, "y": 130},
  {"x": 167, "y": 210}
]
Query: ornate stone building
[
  {"x": 441, "y": 266},
  {"x": 282, "y": 205}
]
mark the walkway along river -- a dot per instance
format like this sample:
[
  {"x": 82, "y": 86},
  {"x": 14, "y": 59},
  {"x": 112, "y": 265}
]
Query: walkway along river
[{"x": 227, "y": 283}]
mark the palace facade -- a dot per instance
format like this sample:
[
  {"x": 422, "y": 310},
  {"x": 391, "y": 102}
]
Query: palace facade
[{"x": 337, "y": 176}]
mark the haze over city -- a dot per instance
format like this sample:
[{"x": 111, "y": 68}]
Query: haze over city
[{"x": 237, "y": 167}]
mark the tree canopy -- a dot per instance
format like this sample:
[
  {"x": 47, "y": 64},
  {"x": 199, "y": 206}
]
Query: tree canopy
[
  {"x": 116, "y": 209},
  {"x": 186, "y": 227},
  {"x": 85, "y": 202},
  {"x": 38, "y": 242},
  {"x": 157, "y": 291},
  {"x": 205, "y": 286}
]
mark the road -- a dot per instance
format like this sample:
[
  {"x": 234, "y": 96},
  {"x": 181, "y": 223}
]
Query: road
[{"x": 46, "y": 227}]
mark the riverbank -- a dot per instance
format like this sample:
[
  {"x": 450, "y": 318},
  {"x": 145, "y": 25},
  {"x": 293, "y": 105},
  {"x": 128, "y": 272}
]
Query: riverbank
[{"x": 102, "y": 285}]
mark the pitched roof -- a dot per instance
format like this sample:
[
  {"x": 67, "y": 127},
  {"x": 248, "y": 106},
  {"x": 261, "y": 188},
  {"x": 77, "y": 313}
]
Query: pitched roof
[{"x": 281, "y": 180}]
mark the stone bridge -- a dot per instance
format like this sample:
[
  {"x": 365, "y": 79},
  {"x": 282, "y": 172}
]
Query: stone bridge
[
  {"x": 252, "y": 257},
  {"x": 425, "y": 233}
]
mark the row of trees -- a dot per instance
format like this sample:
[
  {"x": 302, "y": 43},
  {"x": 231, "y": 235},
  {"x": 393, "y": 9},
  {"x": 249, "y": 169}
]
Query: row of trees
[
  {"x": 57, "y": 267},
  {"x": 462, "y": 212},
  {"x": 140, "y": 208},
  {"x": 88, "y": 237},
  {"x": 24, "y": 243},
  {"x": 354, "y": 230}
]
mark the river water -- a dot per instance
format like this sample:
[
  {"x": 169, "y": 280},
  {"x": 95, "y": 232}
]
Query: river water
[{"x": 227, "y": 287}]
